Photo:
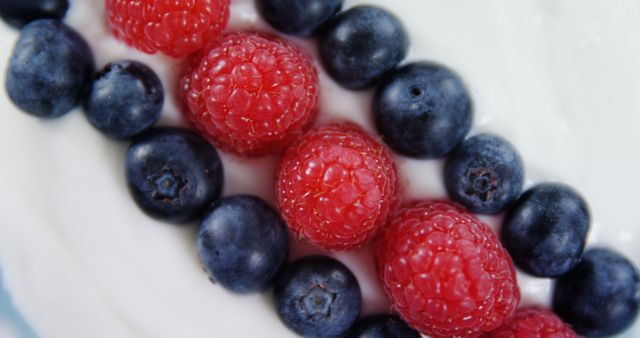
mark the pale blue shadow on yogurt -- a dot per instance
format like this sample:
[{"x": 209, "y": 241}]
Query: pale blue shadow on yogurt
[{"x": 12, "y": 324}]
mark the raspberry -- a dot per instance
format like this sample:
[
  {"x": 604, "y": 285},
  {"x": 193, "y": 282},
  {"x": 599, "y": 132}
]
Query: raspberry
[
  {"x": 176, "y": 28},
  {"x": 445, "y": 271},
  {"x": 252, "y": 94},
  {"x": 336, "y": 186},
  {"x": 533, "y": 323}
]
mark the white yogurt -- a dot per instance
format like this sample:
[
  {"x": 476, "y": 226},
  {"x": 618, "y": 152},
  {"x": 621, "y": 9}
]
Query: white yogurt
[{"x": 559, "y": 78}]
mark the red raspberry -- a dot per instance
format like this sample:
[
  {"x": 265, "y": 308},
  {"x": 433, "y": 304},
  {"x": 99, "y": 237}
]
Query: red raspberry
[
  {"x": 252, "y": 94},
  {"x": 445, "y": 271},
  {"x": 533, "y": 323},
  {"x": 176, "y": 28},
  {"x": 336, "y": 186}
]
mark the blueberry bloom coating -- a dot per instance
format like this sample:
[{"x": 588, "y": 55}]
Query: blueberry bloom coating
[
  {"x": 485, "y": 174},
  {"x": 422, "y": 110},
  {"x": 125, "y": 99},
  {"x": 242, "y": 243},
  {"x": 361, "y": 44},
  {"x": 317, "y": 296},
  {"x": 546, "y": 230},
  {"x": 18, "y": 13},
  {"x": 49, "y": 70},
  {"x": 298, "y": 17},
  {"x": 173, "y": 174},
  {"x": 600, "y": 296}
]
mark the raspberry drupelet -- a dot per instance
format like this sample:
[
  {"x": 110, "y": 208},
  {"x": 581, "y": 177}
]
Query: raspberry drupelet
[
  {"x": 533, "y": 323},
  {"x": 175, "y": 28},
  {"x": 445, "y": 271},
  {"x": 251, "y": 94},
  {"x": 336, "y": 186}
]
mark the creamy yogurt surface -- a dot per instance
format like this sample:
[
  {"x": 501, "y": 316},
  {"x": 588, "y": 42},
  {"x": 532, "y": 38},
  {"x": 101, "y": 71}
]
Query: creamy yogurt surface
[{"x": 558, "y": 78}]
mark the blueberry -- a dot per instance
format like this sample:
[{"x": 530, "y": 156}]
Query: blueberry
[
  {"x": 485, "y": 174},
  {"x": 242, "y": 243},
  {"x": 298, "y": 17},
  {"x": 600, "y": 296},
  {"x": 125, "y": 98},
  {"x": 382, "y": 326},
  {"x": 422, "y": 110},
  {"x": 49, "y": 70},
  {"x": 18, "y": 13},
  {"x": 361, "y": 44},
  {"x": 317, "y": 296},
  {"x": 173, "y": 174},
  {"x": 546, "y": 229}
]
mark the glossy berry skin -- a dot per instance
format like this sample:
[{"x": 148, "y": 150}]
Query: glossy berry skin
[
  {"x": 485, "y": 174},
  {"x": 600, "y": 296},
  {"x": 125, "y": 99},
  {"x": 382, "y": 326},
  {"x": 18, "y": 13},
  {"x": 298, "y": 17},
  {"x": 336, "y": 186},
  {"x": 546, "y": 229},
  {"x": 49, "y": 70},
  {"x": 445, "y": 272},
  {"x": 175, "y": 28},
  {"x": 252, "y": 94},
  {"x": 173, "y": 174},
  {"x": 422, "y": 110},
  {"x": 242, "y": 243},
  {"x": 361, "y": 44},
  {"x": 533, "y": 323},
  {"x": 317, "y": 296}
]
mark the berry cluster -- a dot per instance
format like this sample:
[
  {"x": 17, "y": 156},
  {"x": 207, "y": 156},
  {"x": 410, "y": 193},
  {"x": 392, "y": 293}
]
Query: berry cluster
[{"x": 446, "y": 273}]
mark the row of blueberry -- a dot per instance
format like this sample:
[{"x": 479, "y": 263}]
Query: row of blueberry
[
  {"x": 175, "y": 175},
  {"x": 423, "y": 110},
  {"x": 545, "y": 231}
]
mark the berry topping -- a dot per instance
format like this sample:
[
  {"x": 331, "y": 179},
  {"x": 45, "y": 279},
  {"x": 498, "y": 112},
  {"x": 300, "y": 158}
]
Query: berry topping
[
  {"x": 600, "y": 296},
  {"x": 252, "y": 94},
  {"x": 126, "y": 98},
  {"x": 242, "y": 243},
  {"x": 298, "y": 17},
  {"x": 18, "y": 13},
  {"x": 445, "y": 271},
  {"x": 317, "y": 296},
  {"x": 49, "y": 70},
  {"x": 336, "y": 186},
  {"x": 546, "y": 230},
  {"x": 175, "y": 28},
  {"x": 361, "y": 44},
  {"x": 173, "y": 174},
  {"x": 533, "y": 323},
  {"x": 485, "y": 174},
  {"x": 422, "y": 110},
  {"x": 382, "y": 326}
]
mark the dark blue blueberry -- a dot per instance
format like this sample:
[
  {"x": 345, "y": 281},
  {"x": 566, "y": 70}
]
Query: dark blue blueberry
[
  {"x": 49, "y": 70},
  {"x": 600, "y": 297},
  {"x": 546, "y": 229},
  {"x": 317, "y": 296},
  {"x": 298, "y": 17},
  {"x": 485, "y": 174},
  {"x": 361, "y": 44},
  {"x": 422, "y": 110},
  {"x": 173, "y": 174},
  {"x": 382, "y": 326},
  {"x": 18, "y": 13},
  {"x": 242, "y": 243},
  {"x": 125, "y": 98}
]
